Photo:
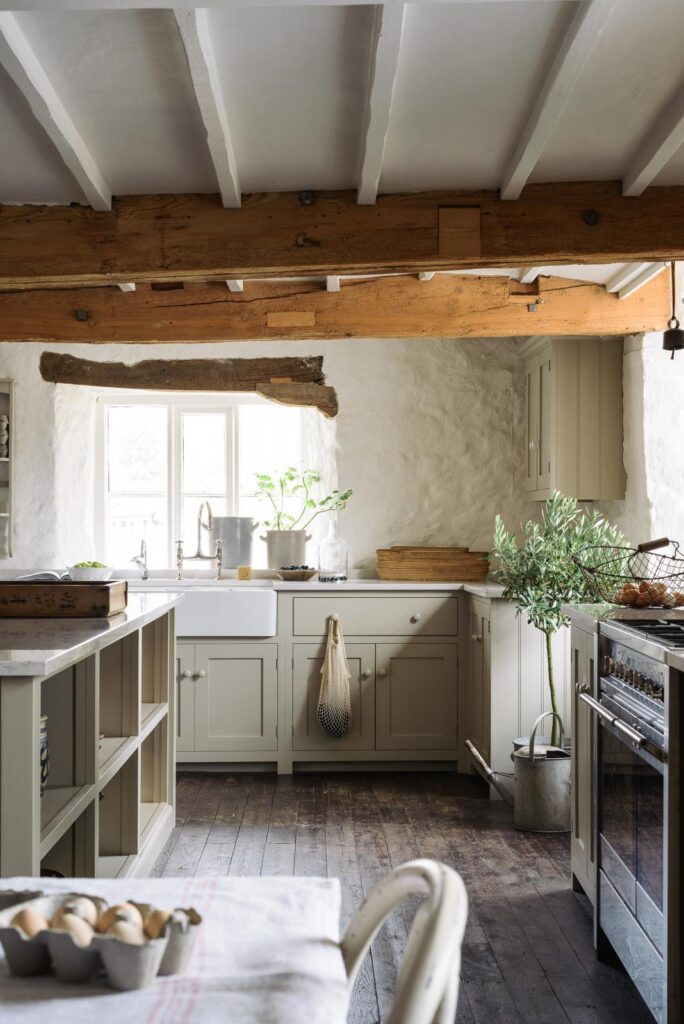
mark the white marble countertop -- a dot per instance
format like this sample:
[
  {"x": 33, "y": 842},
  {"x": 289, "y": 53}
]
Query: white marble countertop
[
  {"x": 40, "y": 647},
  {"x": 160, "y": 583}
]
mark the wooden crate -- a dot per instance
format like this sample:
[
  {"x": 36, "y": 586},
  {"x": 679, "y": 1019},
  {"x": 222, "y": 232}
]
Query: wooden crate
[
  {"x": 432, "y": 565},
  {"x": 37, "y": 599}
]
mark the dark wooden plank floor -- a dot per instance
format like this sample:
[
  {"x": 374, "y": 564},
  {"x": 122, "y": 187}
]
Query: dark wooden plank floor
[{"x": 528, "y": 954}]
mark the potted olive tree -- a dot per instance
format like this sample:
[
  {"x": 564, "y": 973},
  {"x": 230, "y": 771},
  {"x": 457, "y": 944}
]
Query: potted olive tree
[
  {"x": 292, "y": 508},
  {"x": 539, "y": 574}
]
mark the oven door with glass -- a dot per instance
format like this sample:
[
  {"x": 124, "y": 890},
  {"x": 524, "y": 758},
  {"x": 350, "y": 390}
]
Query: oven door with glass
[{"x": 631, "y": 859}]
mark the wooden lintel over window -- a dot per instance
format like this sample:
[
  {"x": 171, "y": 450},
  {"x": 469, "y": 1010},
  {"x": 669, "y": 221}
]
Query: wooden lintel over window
[{"x": 288, "y": 380}]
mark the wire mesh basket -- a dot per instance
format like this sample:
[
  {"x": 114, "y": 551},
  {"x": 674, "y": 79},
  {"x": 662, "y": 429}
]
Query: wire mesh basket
[{"x": 635, "y": 576}]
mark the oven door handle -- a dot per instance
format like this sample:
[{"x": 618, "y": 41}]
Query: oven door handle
[{"x": 611, "y": 719}]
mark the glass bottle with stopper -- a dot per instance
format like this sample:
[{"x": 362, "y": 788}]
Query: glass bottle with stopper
[{"x": 333, "y": 558}]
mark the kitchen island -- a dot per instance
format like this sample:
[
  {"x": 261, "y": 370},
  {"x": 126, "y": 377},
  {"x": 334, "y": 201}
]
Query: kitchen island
[{"x": 106, "y": 689}]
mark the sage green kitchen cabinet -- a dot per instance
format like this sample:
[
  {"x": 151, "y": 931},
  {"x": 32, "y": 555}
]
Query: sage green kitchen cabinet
[
  {"x": 307, "y": 734},
  {"x": 416, "y": 696},
  {"x": 230, "y": 698},
  {"x": 185, "y": 697},
  {"x": 574, "y": 418},
  {"x": 582, "y": 838}
]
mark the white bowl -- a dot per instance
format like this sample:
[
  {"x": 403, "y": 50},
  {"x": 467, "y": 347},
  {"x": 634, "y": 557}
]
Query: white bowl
[{"x": 89, "y": 575}]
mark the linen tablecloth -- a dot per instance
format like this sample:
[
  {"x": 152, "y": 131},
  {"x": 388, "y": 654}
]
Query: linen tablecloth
[{"x": 267, "y": 953}]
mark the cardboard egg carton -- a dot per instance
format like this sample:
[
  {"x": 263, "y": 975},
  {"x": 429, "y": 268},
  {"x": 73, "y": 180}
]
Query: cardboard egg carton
[{"x": 124, "y": 966}]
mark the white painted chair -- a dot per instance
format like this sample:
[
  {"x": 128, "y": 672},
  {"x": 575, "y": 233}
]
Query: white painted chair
[{"x": 427, "y": 985}]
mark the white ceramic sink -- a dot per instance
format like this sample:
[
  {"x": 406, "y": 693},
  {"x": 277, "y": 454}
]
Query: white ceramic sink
[{"x": 213, "y": 609}]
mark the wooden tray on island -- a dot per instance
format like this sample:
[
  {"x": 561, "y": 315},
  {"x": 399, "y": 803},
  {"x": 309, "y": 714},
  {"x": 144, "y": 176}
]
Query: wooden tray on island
[
  {"x": 432, "y": 565},
  {"x": 64, "y": 599}
]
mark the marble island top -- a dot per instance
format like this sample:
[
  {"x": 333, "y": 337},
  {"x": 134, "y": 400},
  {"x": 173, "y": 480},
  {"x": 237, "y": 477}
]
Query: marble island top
[{"x": 40, "y": 647}]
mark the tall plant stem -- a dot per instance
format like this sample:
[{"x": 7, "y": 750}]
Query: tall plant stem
[{"x": 555, "y": 731}]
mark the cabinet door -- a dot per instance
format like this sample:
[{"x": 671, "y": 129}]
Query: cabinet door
[
  {"x": 543, "y": 451},
  {"x": 306, "y": 684},
  {"x": 532, "y": 424},
  {"x": 583, "y": 725},
  {"x": 479, "y": 689},
  {"x": 416, "y": 696},
  {"x": 236, "y": 697},
  {"x": 185, "y": 697}
]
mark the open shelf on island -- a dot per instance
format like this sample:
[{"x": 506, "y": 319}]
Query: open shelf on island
[
  {"x": 59, "y": 808},
  {"x": 72, "y": 854},
  {"x": 150, "y": 716},
  {"x": 113, "y": 752},
  {"x": 118, "y": 812}
]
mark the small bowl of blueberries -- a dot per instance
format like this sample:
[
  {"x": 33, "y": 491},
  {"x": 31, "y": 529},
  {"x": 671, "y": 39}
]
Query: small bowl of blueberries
[{"x": 295, "y": 573}]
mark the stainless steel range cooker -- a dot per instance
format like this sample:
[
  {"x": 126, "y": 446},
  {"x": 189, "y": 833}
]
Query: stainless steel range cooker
[{"x": 637, "y": 703}]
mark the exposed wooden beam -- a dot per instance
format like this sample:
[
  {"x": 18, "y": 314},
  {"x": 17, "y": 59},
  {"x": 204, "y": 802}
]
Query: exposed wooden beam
[
  {"x": 387, "y": 28},
  {"x": 191, "y": 237},
  {"x": 389, "y": 307},
  {"x": 196, "y": 36},
  {"x": 235, "y": 285},
  {"x": 662, "y": 142},
  {"x": 580, "y": 39},
  {"x": 126, "y": 286},
  {"x": 22, "y": 65},
  {"x": 332, "y": 283},
  {"x": 289, "y": 380},
  {"x": 647, "y": 274},
  {"x": 528, "y": 275}
]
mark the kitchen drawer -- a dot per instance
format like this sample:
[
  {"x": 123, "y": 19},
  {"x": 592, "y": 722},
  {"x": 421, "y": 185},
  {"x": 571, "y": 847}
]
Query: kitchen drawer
[{"x": 377, "y": 615}]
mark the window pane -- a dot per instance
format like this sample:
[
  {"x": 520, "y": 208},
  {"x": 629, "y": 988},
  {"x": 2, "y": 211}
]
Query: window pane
[
  {"x": 270, "y": 441},
  {"x": 204, "y": 452},
  {"x": 190, "y": 508},
  {"x": 137, "y": 448},
  {"x": 133, "y": 519}
]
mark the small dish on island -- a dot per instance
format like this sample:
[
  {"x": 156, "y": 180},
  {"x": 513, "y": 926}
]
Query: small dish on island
[{"x": 90, "y": 572}]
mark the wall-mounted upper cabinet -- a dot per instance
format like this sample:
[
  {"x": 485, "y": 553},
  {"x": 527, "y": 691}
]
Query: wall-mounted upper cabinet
[{"x": 574, "y": 418}]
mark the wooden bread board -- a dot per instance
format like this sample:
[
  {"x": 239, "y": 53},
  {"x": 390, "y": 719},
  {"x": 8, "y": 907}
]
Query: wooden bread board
[
  {"x": 425, "y": 565},
  {"x": 38, "y": 599}
]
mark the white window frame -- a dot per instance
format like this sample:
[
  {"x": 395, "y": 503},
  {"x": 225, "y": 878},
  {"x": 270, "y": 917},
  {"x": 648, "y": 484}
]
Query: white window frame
[{"x": 176, "y": 404}]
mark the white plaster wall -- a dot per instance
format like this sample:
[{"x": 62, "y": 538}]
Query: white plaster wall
[
  {"x": 653, "y": 395},
  {"x": 429, "y": 436}
]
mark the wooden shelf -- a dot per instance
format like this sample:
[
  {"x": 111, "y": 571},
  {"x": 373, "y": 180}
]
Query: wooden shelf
[
  {"x": 113, "y": 753},
  {"x": 149, "y": 813},
  {"x": 111, "y": 867},
  {"x": 151, "y": 715},
  {"x": 59, "y": 808}
]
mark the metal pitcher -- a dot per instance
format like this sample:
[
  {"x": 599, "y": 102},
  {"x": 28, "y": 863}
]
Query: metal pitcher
[
  {"x": 542, "y": 784},
  {"x": 236, "y": 533}
]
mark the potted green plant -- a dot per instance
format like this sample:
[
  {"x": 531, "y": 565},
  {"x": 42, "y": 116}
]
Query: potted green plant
[
  {"x": 539, "y": 574},
  {"x": 286, "y": 531}
]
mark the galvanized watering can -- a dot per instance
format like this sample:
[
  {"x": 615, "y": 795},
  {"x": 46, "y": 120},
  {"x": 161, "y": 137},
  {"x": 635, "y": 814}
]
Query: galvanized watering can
[{"x": 542, "y": 784}]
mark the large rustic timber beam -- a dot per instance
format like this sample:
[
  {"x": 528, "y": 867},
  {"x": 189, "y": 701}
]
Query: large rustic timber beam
[
  {"x": 288, "y": 380},
  {"x": 389, "y": 307},
  {"x": 192, "y": 237}
]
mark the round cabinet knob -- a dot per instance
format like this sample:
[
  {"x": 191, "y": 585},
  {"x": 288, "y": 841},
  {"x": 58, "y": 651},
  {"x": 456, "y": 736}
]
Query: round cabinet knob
[
  {"x": 187, "y": 674},
  {"x": 382, "y": 672},
  {"x": 415, "y": 617},
  {"x": 201, "y": 674},
  {"x": 367, "y": 672},
  {"x": 476, "y": 638}
]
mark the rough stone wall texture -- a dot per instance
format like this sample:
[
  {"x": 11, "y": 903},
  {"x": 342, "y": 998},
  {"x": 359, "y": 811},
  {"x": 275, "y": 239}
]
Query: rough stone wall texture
[{"x": 430, "y": 435}]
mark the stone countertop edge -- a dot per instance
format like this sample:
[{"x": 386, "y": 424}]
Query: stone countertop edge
[
  {"x": 41, "y": 647},
  {"x": 313, "y": 586}
]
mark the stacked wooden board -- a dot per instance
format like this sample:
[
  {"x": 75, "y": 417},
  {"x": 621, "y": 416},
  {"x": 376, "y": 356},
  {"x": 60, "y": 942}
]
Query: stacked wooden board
[
  {"x": 432, "y": 565},
  {"x": 65, "y": 599}
]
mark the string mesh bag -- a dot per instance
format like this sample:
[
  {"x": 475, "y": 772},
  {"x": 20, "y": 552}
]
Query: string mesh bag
[{"x": 334, "y": 700}]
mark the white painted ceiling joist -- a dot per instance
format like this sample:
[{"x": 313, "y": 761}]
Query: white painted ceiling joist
[
  {"x": 22, "y": 65},
  {"x": 426, "y": 275},
  {"x": 332, "y": 283},
  {"x": 650, "y": 271},
  {"x": 387, "y": 28},
  {"x": 236, "y": 284},
  {"x": 662, "y": 142},
  {"x": 126, "y": 286},
  {"x": 582, "y": 36},
  {"x": 624, "y": 275},
  {"x": 196, "y": 36},
  {"x": 528, "y": 275}
]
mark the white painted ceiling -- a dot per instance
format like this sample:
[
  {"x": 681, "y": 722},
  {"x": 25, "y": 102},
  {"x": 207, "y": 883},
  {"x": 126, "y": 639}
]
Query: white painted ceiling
[{"x": 294, "y": 90}]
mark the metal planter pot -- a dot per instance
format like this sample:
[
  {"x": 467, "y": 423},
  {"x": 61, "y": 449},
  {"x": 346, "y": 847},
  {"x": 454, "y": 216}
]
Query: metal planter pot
[
  {"x": 236, "y": 533},
  {"x": 542, "y": 784}
]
